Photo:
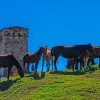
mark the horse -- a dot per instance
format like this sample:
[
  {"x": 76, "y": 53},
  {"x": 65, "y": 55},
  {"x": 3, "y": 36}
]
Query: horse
[
  {"x": 33, "y": 58},
  {"x": 95, "y": 55},
  {"x": 8, "y": 60},
  {"x": 71, "y": 52},
  {"x": 72, "y": 63},
  {"x": 47, "y": 57}
]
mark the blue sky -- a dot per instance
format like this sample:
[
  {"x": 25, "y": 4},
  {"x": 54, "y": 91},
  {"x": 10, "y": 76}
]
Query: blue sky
[{"x": 53, "y": 22}]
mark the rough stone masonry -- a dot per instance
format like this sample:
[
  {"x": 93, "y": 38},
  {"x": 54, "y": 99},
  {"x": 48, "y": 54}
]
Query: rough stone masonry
[{"x": 14, "y": 40}]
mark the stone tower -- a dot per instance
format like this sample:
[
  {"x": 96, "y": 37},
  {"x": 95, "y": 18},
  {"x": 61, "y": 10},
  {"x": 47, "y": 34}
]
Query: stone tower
[{"x": 14, "y": 40}]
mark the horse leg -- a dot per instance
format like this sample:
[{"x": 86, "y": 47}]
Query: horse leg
[
  {"x": 73, "y": 65},
  {"x": 81, "y": 63},
  {"x": 76, "y": 65},
  {"x": 52, "y": 63},
  {"x": 68, "y": 64},
  {"x": 85, "y": 62},
  {"x": 47, "y": 65},
  {"x": 99, "y": 62},
  {"x": 9, "y": 69},
  {"x": 28, "y": 68},
  {"x": 36, "y": 64},
  {"x": 42, "y": 64},
  {"x": 32, "y": 67},
  {"x": 93, "y": 62},
  {"x": 55, "y": 61}
]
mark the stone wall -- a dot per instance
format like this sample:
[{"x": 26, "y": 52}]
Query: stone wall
[{"x": 14, "y": 40}]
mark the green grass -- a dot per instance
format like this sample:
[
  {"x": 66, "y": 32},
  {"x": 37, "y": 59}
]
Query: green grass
[{"x": 52, "y": 86}]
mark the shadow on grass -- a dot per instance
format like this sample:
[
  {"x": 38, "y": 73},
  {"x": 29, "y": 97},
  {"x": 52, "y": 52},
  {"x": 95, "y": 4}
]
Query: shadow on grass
[
  {"x": 67, "y": 73},
  {"x": 5, "y": 85},
  {"x": 36, "y": 76}
]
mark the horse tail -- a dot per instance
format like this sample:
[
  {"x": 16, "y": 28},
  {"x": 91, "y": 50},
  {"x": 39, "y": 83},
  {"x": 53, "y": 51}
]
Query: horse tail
[{"x": 52, "y": 53}]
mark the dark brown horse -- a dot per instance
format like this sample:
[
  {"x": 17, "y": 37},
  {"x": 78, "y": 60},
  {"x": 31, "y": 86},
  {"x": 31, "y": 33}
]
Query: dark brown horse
[
  {"x": 73, "y": 63},
  {"x": 96, "y": 54},
  {"x": 33, "y": 58},
  {"x": 71, "y": 52},
  {"x": 8, "y": 60}
]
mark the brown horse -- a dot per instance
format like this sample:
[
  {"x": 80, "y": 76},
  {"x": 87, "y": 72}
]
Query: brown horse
[
  {"x": 8, "y": 60},
  {"x": 71, "y": 62},
  {"x": 47, "y": 57},
  {"x": 95, "y": 55},
  {"x": 71, "y": 52},
  {"x": 33, "y": 58}
]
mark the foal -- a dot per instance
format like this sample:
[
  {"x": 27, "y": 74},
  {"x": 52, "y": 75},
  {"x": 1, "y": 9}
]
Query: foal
[
  {"x": 33, "y": 58},
  {"x": 47, "y": 57}
]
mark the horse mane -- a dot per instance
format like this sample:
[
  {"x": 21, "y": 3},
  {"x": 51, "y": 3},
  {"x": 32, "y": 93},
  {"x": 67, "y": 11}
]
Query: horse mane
[
  {"x": 29, "y": 54},
  {"x": 18, "y": 66}
]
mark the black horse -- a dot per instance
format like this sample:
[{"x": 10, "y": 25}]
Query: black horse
[
  {"x": 77, "y": 51},
  {"x": 8, "y": 60},
  {"x": 33, "y": 58}
]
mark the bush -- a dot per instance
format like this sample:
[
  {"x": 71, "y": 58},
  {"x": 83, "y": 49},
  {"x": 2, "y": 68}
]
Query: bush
[
  {"x": 93, "y": 68},
  {"x": 82, "y": 71},
  {"x": 89, "y": 69}
]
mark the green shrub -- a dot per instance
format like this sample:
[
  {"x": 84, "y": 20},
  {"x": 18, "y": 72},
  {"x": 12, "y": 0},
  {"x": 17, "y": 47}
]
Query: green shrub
[
  {"x": 82, "y": 71},
  {"x": 89, "y": 69},
  {"x": 93, "y": 68}
]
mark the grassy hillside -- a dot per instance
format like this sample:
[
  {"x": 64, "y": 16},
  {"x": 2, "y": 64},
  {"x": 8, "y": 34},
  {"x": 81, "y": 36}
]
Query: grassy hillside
[{"x": 56, "y": 86}]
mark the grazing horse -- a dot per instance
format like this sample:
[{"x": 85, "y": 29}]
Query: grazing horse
[
  {"x": 71, "y": 52},
  {"x": 33, "y": 58},
  {"x": 8, "y": 60},
  {"x": 47, "y": 57}
]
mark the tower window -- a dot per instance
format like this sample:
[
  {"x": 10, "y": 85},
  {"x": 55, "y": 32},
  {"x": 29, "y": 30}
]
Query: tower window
[
  {"x": 13, "y": 34},
  {"x": 8, "y": 33},
  {"x": 18, "y": 34},
  {"x": 24, "y": 34}
]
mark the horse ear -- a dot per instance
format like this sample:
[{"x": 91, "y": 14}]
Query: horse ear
[
  {"x": 89, "y": 43},
  {"x": 46, "y": 46}
]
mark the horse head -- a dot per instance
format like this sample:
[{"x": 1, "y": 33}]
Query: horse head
[
  {"x": 18, "y": 66},
  {"x": 20, "y": 72},
  {"x": 43, "y": 49},
  {"x": 90, "y": 50}
]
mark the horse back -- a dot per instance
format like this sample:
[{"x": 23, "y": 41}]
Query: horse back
[
  {"x": 96, "y": 51},
  {"x": 6, "y": 60}
]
